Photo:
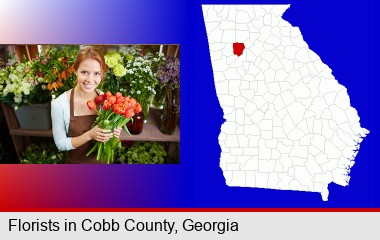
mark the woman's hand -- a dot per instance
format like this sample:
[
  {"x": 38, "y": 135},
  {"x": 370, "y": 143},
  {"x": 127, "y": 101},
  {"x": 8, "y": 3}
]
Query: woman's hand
[
  {"x": 116, "y": 132},
  {"x": 100, "y": 135}
]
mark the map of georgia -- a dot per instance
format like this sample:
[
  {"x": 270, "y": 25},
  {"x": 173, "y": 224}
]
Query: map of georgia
[{"x": 289, "y": 123}]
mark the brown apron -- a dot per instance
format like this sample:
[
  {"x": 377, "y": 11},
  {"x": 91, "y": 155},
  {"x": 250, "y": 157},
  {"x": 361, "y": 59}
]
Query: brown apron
[{"x": 77, "y": 126}]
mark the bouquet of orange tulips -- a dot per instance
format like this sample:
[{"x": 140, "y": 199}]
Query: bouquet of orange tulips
[{"x": 116, "y": 111}]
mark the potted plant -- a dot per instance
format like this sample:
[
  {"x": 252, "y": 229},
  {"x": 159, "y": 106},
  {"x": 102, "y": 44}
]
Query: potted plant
[{"x": 29, "y": 86}]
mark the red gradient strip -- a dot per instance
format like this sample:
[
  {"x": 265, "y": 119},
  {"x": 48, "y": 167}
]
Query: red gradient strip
[
  {"x": 83, "y": 186},
  {"x": 190, "y": 210}
]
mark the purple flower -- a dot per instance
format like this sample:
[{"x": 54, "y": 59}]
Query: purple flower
[{"x": 169, "y": 71}]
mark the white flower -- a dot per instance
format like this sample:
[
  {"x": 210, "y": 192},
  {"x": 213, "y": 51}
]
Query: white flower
[
  {"x": 138, "y": 92},
  {"x": 26, "y": 91},
  {"x": 17, "y": 98},
  {"x": 19, "y": 69},
  {"x": 11, "y": 87},
  {"x": 13, "y": 77},
  {"x": 11, "y": 61}
]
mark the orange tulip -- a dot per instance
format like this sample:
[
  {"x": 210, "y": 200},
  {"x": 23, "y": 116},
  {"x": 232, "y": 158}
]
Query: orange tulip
[
  {"x": 106, "y": 105},
  {"x": 132, "y": 102},
  {"x": 120, "y": 100},
  {"x": 91, "y": 105},
  {"x": 119, "y": 108},
  {"x": 118, "y": 95},
  {"x": 138, "y": 108},
  {"x": 111, "y": 100},
  {"x": 107, "y": 94},
  {"x": 129, "y": 113}
]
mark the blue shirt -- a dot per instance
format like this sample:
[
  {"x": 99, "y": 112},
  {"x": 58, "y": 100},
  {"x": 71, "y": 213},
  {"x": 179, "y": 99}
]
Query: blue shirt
[{"x": 60, "y": 117}]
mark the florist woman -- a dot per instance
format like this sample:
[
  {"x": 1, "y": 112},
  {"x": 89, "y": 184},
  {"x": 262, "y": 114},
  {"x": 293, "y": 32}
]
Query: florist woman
[{"x": 72, "y": 119}]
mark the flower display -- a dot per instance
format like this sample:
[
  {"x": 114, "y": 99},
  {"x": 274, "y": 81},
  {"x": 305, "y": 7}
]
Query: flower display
[
  {"x": 16, "y": 84},
  {"x": 115, "y": 111},
  {"x": 133, "y": 73},
  {"x": 56, "y": 69},
  {"x": 37, "y": 81},
  {"x": 169, "y": 75}
]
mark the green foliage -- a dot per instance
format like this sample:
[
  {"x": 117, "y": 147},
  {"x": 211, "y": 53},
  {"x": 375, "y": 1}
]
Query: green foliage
[
  {"x": 142, "y": 153},
  {"x": 39, "y": 153}
]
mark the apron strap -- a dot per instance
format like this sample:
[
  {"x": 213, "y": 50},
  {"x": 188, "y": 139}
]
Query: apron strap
[
  {"x": 72, "y": 105},
  {"x": 72, "y": 102}
]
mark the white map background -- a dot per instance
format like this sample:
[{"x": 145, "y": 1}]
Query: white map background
[{"x": 289, "y": 124}]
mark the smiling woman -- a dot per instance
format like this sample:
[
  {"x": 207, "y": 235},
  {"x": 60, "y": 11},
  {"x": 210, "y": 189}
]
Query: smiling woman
[
  {"x": 67, "y": 77},
  {"x": 71, "y": 118}
]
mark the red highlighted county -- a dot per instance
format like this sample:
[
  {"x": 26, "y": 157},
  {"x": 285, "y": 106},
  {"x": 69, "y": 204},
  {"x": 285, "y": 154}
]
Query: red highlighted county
[{"x": 238, "y": 48}]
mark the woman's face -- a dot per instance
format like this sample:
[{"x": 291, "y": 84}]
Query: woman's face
[{"x": 88, "y": 75}]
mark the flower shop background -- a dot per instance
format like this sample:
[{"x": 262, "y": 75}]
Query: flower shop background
[{"x": 33, "y": 75}]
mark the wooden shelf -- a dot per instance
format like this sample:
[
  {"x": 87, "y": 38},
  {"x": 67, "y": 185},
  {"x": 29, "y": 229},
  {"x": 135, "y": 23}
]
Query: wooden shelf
[
  {"x": 150, "y": 131},
  {"x": 34, "y": 133}
]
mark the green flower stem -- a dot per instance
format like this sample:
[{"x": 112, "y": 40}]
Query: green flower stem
[
  {"x": 92, "y": 150},
  {"x": 98, "y": 157}
]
